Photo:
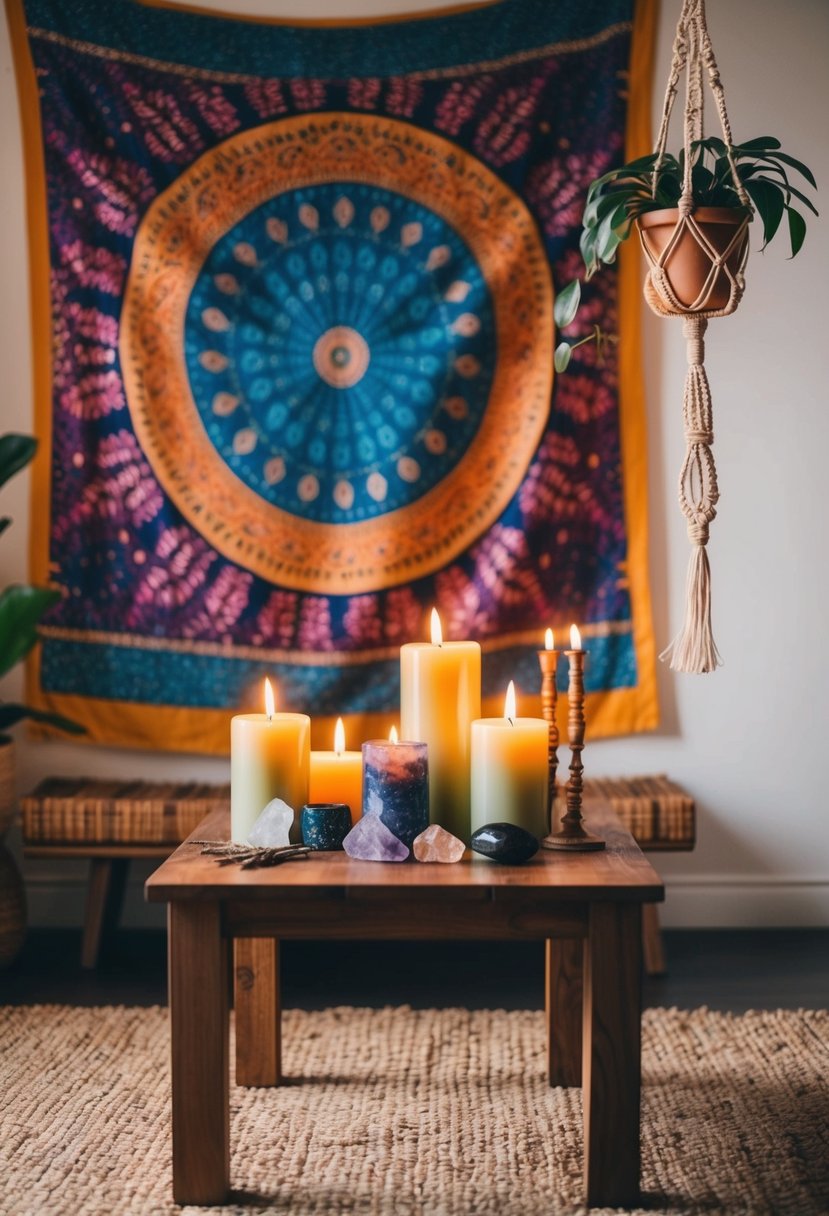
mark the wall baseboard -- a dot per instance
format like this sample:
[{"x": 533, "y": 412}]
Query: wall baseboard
[
  {"x": 745, "y": 901},
  {"x": 693, "y": 901}
]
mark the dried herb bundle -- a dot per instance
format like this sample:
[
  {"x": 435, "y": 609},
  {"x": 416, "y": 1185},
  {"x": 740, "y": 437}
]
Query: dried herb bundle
[{"x": 251, "y": 856}]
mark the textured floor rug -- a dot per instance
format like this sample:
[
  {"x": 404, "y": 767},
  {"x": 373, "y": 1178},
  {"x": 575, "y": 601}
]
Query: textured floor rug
[{"x": 399, "y": 1113}]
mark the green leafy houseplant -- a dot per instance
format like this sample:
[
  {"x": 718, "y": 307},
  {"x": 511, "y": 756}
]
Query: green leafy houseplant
[
  {"x": 22, "y": 607},
  {"x": 618, "y": 200}
]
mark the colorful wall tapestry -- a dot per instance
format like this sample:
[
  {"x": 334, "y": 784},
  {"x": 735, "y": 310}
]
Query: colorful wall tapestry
[{"x": 293, "y": 292}]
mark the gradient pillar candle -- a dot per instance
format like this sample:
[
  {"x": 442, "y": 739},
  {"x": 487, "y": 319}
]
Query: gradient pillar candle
[
  {"x": 440, "y": 696},
  {"x": 269, "y": 758},
  {"x": 509, "y": 770},
  {"x": 338, "y": 776}
]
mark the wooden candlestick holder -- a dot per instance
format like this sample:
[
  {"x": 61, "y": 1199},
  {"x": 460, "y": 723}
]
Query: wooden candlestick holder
[
  {"x": 571, "y": 835},
  {"x": 548, "y": 661}
]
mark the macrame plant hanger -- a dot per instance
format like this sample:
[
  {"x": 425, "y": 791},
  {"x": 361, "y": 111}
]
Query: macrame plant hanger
[{"x": 694, "y": 648}]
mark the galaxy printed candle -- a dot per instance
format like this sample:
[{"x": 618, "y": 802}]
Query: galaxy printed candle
[{"x": 396, "y": 786}]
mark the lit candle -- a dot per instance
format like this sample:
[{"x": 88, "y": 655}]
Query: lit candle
[
  {"x": 509, "y": 770},
  {"x": 338, "y": 776},
  {"x": 269, "y": 756},
  {"x": 396, "y": 785},
  {"x": 440, "y": 696}
]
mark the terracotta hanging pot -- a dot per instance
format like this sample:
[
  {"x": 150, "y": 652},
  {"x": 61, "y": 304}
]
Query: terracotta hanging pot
[{"x": 689, "y": 266}]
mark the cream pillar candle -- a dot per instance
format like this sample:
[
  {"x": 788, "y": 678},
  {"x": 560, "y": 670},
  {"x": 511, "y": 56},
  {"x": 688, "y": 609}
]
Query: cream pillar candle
[
  {"x": 440, "y": 695},
  {"x": 338, "y": 776},
  {"x": 509, "y": 770},
  {"x": 269, "y": 755}
]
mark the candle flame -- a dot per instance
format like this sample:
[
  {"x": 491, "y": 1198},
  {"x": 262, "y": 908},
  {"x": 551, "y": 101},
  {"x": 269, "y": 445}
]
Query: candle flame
[
  {"x": 339, "y": 737},
  {"x": 509, "y": 702},
  {"x": 549, "y": 644},
  {"x": 437, "y": 631},
  {"x": 393, "y": 735},
  {"x": 575, "y": 638},
  {"x": 270, "y": 706}
]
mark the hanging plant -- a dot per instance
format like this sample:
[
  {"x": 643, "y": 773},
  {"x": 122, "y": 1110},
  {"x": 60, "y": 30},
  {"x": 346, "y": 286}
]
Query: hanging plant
[
  {"x": 634, "y": 195},
  {"x": 692, "y": 213}
]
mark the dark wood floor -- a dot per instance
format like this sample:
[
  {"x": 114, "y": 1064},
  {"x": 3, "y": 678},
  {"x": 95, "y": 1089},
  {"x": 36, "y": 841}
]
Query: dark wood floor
[{"x": 725, "y": 969}]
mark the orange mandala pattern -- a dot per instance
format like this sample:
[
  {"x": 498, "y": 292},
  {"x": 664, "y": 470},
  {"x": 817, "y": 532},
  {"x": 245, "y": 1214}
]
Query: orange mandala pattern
[{"x": 336, "y": 342}]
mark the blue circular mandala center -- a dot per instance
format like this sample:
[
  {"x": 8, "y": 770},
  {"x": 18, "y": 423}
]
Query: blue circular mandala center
[{"x": 340, "y": 348}]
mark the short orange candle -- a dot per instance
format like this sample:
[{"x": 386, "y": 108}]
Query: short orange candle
[{"x": 338, "y": 776}]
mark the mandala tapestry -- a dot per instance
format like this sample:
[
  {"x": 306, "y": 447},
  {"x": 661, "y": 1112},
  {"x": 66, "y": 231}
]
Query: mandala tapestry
[{"x": 293, "y": 295}]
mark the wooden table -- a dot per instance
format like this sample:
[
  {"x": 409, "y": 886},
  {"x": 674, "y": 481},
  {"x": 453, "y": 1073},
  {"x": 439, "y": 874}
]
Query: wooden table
[{"x": 587, "y": 907}]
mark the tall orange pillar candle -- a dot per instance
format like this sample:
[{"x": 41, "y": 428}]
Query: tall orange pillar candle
[
  {"x": 269, "y": 756},
  {"x": 338, "y": 776},
  {"x": 440, "y": 696},
  {"x": 509, "y": 770}
]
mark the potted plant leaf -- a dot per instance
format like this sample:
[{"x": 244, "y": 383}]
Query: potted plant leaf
[
  {"x": 645, "y": 195},
  {"x": 21, "y": 609}
]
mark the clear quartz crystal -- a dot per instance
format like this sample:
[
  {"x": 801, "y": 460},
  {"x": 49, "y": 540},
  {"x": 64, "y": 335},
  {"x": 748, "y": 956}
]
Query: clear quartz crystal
[
  {"x": 273, "y": 826},
  {"x": 436, "y": 844}
]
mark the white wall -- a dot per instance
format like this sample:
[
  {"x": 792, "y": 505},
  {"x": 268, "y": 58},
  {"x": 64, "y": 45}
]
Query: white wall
[{"x": 748, "y": 741}]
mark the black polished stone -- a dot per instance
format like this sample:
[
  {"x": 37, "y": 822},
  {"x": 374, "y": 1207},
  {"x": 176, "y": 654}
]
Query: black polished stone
[{"x": 504, "y": 842}]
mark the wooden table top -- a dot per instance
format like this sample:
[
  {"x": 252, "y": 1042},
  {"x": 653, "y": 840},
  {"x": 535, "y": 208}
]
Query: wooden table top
[{"x": 620, "y": 871}]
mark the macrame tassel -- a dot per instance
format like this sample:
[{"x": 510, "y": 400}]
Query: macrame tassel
[{"x": 694, "y": 649}]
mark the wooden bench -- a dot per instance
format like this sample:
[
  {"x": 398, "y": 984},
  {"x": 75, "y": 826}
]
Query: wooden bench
[{"x": 109, "y": 823}]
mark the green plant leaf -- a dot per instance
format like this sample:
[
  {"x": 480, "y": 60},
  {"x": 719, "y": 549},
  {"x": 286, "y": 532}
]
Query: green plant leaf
[
  {"x": 711, "y": 143},
  {"x": 561, "y": 358},
  {"x": 608, "y": 239},
  {"x": 768, "y": 199},
  {"x": 15, "y": 453},
  {"x": 605, "y": 203},
  {"x": 802, "y": 169},
  {"x": 11, "y": 714},
  {"x": 762, "y": 141},
  {"x": 567, "y": 304},
  {"x": 587, "y": 245},
  {"x": 638, "y": 169},
  {"x": 788, "y": 189},
  {"x": 5, "y": 520},
  {"x": 702, "y": 182},
  {"x": 797, "y": 230},
  {"x": 20, "y": 611}
]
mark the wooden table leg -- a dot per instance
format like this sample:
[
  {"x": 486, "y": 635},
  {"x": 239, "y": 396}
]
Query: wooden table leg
[
  {"x": 563, "y": 1003},
  {"x": 104, "y": 897},
  {"x": 652, "y": 940},
  {"x": 198, "y": 985},
  {"x": 258, "y": 1011},
  {"x": 612, "y": 1054}
]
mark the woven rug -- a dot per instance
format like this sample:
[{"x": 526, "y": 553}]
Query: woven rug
[{"x": 401, "y": 1113}]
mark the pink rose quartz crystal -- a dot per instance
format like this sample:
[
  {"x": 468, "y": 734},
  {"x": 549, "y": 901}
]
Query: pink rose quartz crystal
[{"x": 436, "y": 844}]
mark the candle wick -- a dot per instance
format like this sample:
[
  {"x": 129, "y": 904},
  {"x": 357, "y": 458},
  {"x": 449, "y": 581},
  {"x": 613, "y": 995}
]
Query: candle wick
[{"x": 511, "y": 721}]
